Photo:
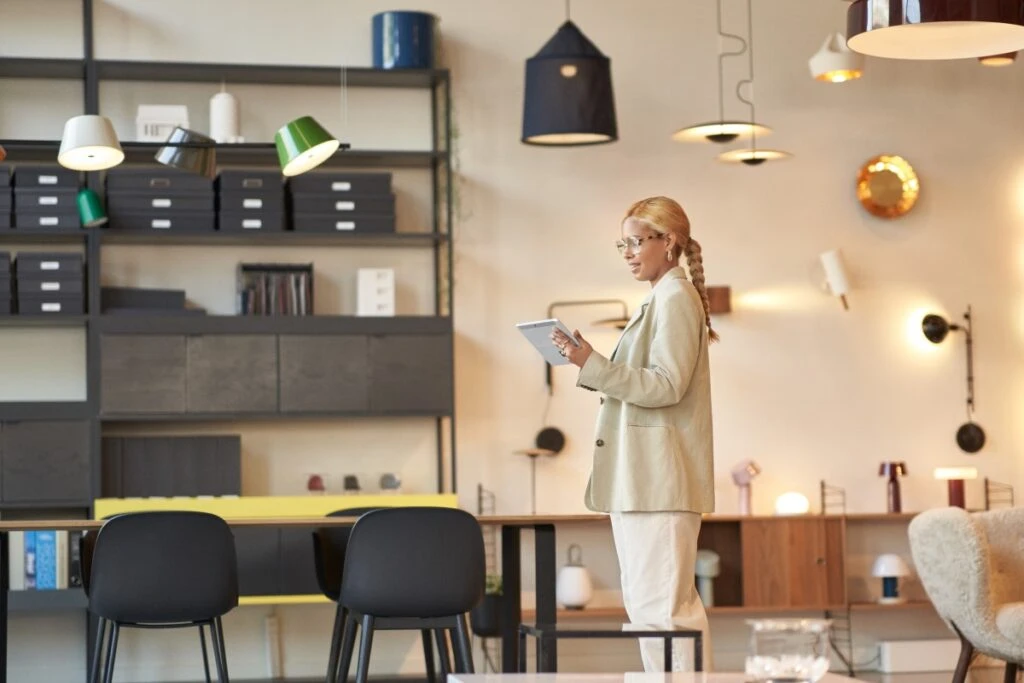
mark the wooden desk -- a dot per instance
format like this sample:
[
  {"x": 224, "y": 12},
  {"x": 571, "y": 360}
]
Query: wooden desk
[{"x": 543, "y": 527}]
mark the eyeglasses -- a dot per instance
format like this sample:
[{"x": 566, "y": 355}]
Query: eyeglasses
[{"x": 633, "y": 243}]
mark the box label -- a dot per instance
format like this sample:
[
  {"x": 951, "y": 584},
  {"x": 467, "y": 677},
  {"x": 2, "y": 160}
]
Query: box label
[
  {"x": 161, "y": 203},
  {"x": 345, "y": 225},
  {"x": 252, "y": 203},
  {"x": 50, "y": 286},
  {"x": 341, "y": 186},
  {"x": 51, "y": 307},
  {"x": 161, "y": 223},
  {"x": 252, "y": 223}
]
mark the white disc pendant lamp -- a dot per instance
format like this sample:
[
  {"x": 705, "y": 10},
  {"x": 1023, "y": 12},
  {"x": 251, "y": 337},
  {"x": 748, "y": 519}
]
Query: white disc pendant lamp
[{"x": 89, "y": 144}]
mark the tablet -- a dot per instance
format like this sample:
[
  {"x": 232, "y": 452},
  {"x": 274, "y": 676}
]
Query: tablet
[{"x": 538, "y": 332}]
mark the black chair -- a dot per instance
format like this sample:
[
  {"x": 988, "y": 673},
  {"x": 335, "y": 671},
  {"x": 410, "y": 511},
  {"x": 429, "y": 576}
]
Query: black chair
[
  {"x": 411, "y": 568},
  {"x": 160, "y": 570},
  {"x": 329, "y": 546}
]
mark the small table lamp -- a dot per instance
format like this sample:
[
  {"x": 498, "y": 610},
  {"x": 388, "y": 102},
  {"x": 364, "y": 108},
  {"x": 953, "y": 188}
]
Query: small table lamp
[
  {"x": 956, "y": 476},
  {"x": 893, "y": 470},
  {"x": 890, "y": 568},
  {"x": 708, "y": 566},
  {"x": 742, "y": 474},
  {"x": 792, "y": 503}
]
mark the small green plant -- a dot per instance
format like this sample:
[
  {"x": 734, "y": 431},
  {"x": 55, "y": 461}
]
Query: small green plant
[{"x": 493, "y": 584}]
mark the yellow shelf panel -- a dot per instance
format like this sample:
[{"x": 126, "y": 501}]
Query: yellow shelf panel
[
  {"x": 283, "y": 599},
  {"x": 239, "y": 507}
]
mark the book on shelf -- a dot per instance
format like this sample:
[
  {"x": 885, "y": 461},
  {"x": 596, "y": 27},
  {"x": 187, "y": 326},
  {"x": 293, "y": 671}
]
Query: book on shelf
[
  {"x": 275, "y": 289},
  {"x": 45, "y": 560}
]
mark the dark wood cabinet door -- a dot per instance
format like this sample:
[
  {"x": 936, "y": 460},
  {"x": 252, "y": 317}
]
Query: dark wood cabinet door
[
  {"x": 411, "y": 373},
  {"x": 324, "y": 373},
  {"x": 45, "y": 461},
  {"x": 230, "y": 373},
  {"x": 142, "y": 373}
]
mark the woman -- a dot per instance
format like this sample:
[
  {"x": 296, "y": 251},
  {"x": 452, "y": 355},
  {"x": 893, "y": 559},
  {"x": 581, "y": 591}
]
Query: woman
[{"x": 653, "y": 468}]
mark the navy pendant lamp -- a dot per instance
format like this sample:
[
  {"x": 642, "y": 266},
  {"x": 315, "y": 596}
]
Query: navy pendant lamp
[{"x": 569, "y": 99}]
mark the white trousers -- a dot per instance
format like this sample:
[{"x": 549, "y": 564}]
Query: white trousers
[{"x": 657, "y": 555}]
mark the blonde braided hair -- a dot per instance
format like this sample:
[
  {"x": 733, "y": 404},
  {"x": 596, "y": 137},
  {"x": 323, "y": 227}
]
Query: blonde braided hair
[{"x": 665, "y": 215}]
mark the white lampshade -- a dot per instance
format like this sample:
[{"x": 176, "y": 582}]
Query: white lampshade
[
  {"x": 89, "y": 144},
  {"x": 835, "y": 62},
  {"x": 890, "y": 565},
  {"x": 792, "y": 503},
  {"x": 956, "y": 473}
]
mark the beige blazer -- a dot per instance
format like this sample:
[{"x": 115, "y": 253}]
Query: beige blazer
[{"x": 653, "y": 443}]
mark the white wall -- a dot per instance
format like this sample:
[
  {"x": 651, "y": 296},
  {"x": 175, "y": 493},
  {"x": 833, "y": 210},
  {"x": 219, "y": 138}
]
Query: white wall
[{"x": 809, "y": 391}]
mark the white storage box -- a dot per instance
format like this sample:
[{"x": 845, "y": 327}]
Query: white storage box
[
  {"x": 155, "y": 122},
  {"x": 375, "y": 291}
]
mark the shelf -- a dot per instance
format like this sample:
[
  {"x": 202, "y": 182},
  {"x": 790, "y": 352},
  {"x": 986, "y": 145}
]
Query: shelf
[
  {"x": 43, "y": 320},
  {"x": 109, "y": 418},
  {"x": 44, "y": 410},
  {"x": 270, "y": 324},
  {"x": 242, "y": 154},
  {"x": 279, "y": 238},
  {"x": 36, "y": 600},
  {"x": 29, "y": 67},
  {"x": 881, "y": 516},
  {"x": 8, "y": 235},
  {"x": 268, "y": 74},
  {"x": 46, "y": 505},
  {"x": 879, "y": 607}
]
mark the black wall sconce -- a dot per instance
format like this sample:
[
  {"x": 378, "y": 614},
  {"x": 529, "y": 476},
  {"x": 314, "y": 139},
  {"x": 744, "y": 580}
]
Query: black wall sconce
[{"x": 970, "y": 436}]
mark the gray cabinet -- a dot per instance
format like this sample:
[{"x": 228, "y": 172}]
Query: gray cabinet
[
  {"x": 411, "y": 373},
  {"x": 231, "y": 373},
  {"x": 143, "y": 466},
  {"x": 142, "y": 373},
  {"x": 45, "y": 461},
  {"x": 324, "y": 373}
]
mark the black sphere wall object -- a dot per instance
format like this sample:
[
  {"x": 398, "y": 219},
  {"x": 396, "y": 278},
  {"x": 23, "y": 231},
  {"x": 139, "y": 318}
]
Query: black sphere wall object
[
  {"x": 550, "y": 439},
  {"x": 970, "y": 437}
]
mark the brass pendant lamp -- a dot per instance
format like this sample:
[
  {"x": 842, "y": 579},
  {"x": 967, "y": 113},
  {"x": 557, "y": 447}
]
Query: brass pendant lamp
[{"x": 721, "y": 131}]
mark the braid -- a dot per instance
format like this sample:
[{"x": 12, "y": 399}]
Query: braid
[{"x": 696, "y": 266}]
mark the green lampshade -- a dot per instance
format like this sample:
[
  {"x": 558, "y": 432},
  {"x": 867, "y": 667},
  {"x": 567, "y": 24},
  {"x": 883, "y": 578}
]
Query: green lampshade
[
  {"x": 90, "y": 208},
  {"x": 302, "y": 145}
]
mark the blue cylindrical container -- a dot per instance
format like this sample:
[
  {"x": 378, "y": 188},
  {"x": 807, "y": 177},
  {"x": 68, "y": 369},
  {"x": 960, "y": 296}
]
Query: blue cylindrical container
[{"x": 403, "y": 40}]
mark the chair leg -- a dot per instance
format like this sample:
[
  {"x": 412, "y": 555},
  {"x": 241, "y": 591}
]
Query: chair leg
[
  {"x": 964, "y": 663},
  {"x": 1010, "y": 673},
  {"x": 428, "y": 656},
  {"x": 348, "y": 644},
  {"x": 365, "y": 643},
  {"x": 220, "y": 654},
  {"x": 462, "y": 646},
  {"x": 332, "y": 659},
  {"x": 97, "y": 653},
  {"x": 115, "y": 630},
  {"x": 206, "y": 658},
  {"x": 441, "y": 636}
]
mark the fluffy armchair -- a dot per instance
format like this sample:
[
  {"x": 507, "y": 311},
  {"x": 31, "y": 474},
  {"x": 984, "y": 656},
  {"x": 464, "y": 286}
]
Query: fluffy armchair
[{"x": 972, "y": 568}]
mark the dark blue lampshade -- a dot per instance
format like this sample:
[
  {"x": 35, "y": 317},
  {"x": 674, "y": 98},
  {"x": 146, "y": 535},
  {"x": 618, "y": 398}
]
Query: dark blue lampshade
[{"x": 569, "y": 99}]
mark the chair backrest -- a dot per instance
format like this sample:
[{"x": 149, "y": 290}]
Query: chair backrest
[
  {"x": 163, "y": 567},
  {"x": 329, "y": 544},
  {"x": 967, "y": 569},
  {"x": 414, "y": 562}
]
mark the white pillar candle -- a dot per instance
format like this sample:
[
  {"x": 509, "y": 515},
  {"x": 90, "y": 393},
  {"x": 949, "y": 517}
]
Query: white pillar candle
[{"x": 224, "y": 117}]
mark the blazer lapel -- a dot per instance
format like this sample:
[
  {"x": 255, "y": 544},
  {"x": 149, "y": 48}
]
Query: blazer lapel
[{"x": 632, "y": 321}]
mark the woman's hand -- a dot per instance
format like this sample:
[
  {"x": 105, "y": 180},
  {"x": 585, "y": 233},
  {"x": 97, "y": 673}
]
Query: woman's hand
[{"x": 577, "y": 355}]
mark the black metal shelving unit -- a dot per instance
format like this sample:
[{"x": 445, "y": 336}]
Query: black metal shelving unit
[{"x": 91, "y": 73}]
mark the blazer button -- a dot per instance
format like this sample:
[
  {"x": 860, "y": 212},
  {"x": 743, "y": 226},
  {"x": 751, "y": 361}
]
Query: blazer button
[{"x": 600, "y": 442}]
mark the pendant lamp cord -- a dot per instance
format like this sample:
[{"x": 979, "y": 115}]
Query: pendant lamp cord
[
  {"x": 567, "y": 10},
  {"x": 970, "y": 364},
  {"x": 344, "y": 101},
  {"x": 749, "y": 47},
  {"x": 722, "y": 54}
]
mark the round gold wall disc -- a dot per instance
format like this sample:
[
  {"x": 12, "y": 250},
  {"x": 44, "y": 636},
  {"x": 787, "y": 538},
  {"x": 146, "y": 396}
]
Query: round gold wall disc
[{"x": 887, "y": 186}]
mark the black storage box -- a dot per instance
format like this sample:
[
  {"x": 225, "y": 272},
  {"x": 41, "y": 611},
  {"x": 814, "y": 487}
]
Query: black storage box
[
  {"x": 234, "y": 201},
  {"x": 46, "y": 264},
  {"x": 47, "y": 221},
  {"x": 5, "y": 305},
  {"x": 6, "y": 198},
  {"x": 156, "y": 178},
  {"x": 365, "y": 205},
  {"x": 178, "y": 221},
  {"x": 55, "y": 304},
  {"x": 343, "y": 223},
  {"x": 5, "y": 175},
  {"x": 5, "y": 262},
  {"x": 255, "y": 221},
  {"x": 333, "y": 182},
  {"x": 45, "y": 200},
  {"x": 6, "y": 221},
  {"x": 141, "y": 298},
  {"x": 156, "y": 204},
  {"x": 45, "y": 175},
  {"x": 34, "y": 285},
  {"x": 248, "y": 180}
]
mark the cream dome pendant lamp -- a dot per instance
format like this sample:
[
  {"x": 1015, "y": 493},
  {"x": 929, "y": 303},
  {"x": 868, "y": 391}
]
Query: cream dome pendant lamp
[
  {"x": 835, "y": 62},
  {"x": 721, "y": 131},
  {"x": 89, "y": 144},
  {"x": 751, "y": 156}
]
